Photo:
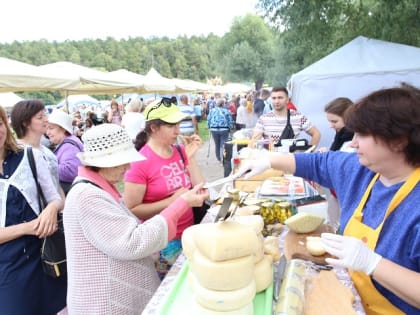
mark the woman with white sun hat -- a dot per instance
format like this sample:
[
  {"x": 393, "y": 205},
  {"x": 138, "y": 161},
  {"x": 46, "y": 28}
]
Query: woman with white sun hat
[{"x": 110, "y": 268}]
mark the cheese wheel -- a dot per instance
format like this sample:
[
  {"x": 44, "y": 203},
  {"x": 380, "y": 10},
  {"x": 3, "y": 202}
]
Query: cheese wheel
[
  {"x": 263, "y": 272},
  {"x": 187, "y": 241},
  {"x": 272, "y": 247},
  {"x": 224, "y": 275},
  {"x": 223, "y": 301},
  {"x": 259, "y": 253},
  {"x": 225, "y": 240},
  {"x": 255, "y": 221},
  {"x": 197, "y": 309}
]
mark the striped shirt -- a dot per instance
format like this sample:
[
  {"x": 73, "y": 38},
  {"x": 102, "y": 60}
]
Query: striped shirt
[
  {"x": 272, "y": 126},
  {"x": 187, "y": 127}
]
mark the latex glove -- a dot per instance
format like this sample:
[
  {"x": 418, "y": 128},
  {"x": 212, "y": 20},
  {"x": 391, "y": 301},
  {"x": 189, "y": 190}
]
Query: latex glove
[
  {"x": 253, "y": 167},
  {"x": 350, "y": 252}
]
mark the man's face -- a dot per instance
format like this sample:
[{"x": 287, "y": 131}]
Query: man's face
[{"x": 279, "y": 100}]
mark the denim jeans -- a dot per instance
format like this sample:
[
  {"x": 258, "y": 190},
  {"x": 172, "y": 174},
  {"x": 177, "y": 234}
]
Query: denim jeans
[{"x": 219, "y": 137}]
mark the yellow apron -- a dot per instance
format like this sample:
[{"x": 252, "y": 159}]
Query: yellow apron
[{"x": 373, "y": 301}]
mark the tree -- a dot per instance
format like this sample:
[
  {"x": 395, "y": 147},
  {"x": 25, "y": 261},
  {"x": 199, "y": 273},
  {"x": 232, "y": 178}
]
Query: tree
[
  {"x": 246, "y": 51},
  {"x": 309, "y": 30}
]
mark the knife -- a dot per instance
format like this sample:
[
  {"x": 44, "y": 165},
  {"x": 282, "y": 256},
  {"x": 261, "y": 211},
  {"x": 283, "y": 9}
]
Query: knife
[
  {"x": 280, "y": 269},
  {"x": 220, "y": 181},
  {"x": 224, "y": 209}
]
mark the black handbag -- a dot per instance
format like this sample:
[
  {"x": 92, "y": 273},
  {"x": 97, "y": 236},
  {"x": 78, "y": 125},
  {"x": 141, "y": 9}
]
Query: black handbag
[
  {"x": 287, "y": 133},
  {"x": 53, "y": 249}
]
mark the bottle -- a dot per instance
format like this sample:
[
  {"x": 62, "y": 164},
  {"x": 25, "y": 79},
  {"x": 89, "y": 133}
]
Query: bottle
[{"x": 235, "y": 162}]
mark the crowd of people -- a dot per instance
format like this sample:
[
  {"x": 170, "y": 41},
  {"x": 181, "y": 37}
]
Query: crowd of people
[{"x": 121, "y": 243}]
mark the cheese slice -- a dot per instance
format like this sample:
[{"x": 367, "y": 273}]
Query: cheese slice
[
  {"x": 263, "y": 272},
  {"x": 304, "y": 222},
  {"x": 225, "y": 240},
  {"x": 224, "y": 275},
  {"x": 222, "y": 301}
]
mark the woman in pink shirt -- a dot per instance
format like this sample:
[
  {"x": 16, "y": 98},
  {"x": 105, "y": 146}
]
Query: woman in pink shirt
[{"x": 169, "y": 171}]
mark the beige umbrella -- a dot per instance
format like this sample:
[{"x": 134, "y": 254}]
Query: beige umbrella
[{"x": 16, "y": 76}]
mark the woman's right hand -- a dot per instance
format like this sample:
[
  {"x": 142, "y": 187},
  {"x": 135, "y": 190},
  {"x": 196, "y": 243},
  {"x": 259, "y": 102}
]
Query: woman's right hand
[{"x": 196, "y": 196}]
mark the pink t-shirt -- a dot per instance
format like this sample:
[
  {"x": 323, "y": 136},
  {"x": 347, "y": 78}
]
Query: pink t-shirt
[{"x": 162, "y": 177}]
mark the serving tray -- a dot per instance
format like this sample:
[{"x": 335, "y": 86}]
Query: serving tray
[{"x": 180, "y": 298}]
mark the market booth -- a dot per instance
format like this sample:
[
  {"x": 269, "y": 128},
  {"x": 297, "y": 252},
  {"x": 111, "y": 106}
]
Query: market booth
[{"x": 299, "y": 282}]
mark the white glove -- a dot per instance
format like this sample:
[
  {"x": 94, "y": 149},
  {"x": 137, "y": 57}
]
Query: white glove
[
  {"x": 351, "y": 253},
  {"x": 253, "y": 167}
]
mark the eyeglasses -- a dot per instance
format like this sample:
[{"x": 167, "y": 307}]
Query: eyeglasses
[{"x": 165, "y": 101}]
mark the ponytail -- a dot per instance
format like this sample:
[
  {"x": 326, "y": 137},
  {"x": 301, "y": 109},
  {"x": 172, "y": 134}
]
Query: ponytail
[{"x": 141, "y": 139}]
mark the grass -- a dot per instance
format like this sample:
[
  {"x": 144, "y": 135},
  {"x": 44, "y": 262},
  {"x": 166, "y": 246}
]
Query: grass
[{"x": 203, "y": 130}]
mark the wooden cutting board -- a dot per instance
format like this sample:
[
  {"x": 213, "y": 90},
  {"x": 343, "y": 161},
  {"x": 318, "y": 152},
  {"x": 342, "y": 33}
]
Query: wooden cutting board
[{"x": 295, "y": 245}]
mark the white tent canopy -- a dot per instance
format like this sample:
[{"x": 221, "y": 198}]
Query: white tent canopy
[
  {"x": 90, "y": 81},
  {"x": 9, "y": 99},
  {"x": 16, "y": 76},
  {"x": 354, "y": 70}
]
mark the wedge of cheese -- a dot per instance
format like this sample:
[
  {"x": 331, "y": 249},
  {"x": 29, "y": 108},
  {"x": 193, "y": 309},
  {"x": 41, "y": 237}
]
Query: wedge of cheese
[
  {"x": 303, "y": 222},
  {"x": 314, "y": 246},
  {"x": 224, "y": 275},
  {"x": 225, "y": 240},
  {"x": 222, "y": 301}
]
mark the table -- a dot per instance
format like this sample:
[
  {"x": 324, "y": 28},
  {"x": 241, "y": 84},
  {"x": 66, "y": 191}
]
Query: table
[{"x": 154, "y": 305}]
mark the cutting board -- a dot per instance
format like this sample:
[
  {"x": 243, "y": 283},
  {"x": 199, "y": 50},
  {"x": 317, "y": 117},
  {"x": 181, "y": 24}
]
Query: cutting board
[{"x": 295, "y": 245}]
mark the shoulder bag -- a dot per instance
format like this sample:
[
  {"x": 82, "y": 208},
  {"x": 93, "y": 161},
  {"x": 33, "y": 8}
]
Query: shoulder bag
[
  {"x": 53, "y": 249},
  {"x": 288, "y": 132}
]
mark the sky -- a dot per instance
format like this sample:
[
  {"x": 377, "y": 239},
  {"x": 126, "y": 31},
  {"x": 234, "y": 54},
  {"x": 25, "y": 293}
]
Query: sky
[{"x": 60, "y": 20}]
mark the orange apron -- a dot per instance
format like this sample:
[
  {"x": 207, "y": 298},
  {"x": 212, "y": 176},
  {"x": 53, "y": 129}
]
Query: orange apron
[{"x": 373, "y": 301}]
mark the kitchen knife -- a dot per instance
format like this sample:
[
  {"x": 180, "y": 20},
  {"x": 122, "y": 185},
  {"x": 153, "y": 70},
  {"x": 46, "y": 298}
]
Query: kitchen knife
[
  {"x": 224, "y": 209},
  {"x": 220, "y": 181},
  {"x": 280, "y": 269}
]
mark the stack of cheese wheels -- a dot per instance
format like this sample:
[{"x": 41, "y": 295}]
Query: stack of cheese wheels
[{"x": 224, "y": 258}]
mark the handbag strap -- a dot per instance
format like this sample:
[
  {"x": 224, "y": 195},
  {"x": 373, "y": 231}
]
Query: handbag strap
[
  {"x": 86, "y": 181},
  {"x": 180, "y": 153},
  {"x": 31, "y": 159}
]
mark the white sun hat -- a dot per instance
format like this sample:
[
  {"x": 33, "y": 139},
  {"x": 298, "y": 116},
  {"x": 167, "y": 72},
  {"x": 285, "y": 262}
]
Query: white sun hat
[
  {"x": 108, "y": 145},
  {"x": 62, "y": 119}
]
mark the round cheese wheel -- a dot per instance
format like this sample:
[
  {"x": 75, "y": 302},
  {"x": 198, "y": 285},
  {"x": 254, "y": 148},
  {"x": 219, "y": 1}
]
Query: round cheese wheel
[
  {"x": 223, "y": 301},
  {"x": 255, "y": 221},
  {"x": 223, "y": 275},
  {"x": 225, "y": 240},
  {"x": 197, "y": 309},
  {"x": 263, "y": 272},
  {"x": 187, "y": 241}
]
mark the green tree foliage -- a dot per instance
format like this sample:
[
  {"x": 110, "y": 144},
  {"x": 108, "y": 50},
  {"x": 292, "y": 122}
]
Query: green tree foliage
[
  {"x": 309, "y": 30},
  {"x": 246, "y": 51}
]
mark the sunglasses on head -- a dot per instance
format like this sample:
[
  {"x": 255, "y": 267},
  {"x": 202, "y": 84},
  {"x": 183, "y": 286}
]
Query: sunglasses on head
[{"x": 165, "y": 101}]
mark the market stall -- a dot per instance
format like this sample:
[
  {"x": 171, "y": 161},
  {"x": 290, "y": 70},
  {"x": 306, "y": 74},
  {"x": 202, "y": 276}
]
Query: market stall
[{"x": 294, "y": 276}]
